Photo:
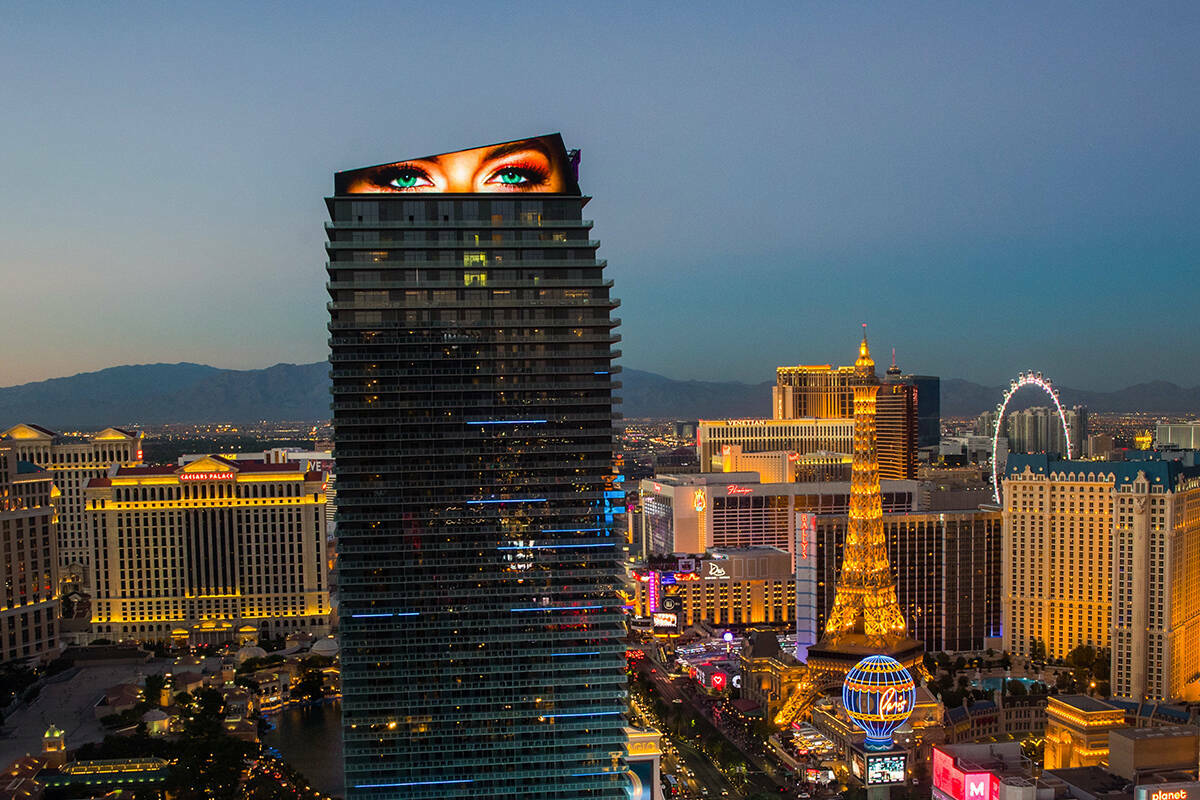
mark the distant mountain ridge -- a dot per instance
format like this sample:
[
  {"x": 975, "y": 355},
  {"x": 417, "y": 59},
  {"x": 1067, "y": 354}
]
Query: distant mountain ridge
[{"x": 153, "y": 394}]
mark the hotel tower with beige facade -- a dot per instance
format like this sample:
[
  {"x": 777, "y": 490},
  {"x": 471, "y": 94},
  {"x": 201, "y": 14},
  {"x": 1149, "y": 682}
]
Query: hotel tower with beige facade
[
  {"x": 212, "y": 551},
  {"x": 1106, "y": 554},
  {"x": 73, "y": 461}
]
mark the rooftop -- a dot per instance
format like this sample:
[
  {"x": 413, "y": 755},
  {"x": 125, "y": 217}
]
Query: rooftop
[
  {"x": 1094, "y": 782},
  {"x": 1082, "y": 702},
  {"x": 1158, "y": 470},
  {"x": 1167, "y": 732}
]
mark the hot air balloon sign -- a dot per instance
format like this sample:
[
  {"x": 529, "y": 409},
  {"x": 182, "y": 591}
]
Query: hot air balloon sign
[{"x": 879, "y": 694}]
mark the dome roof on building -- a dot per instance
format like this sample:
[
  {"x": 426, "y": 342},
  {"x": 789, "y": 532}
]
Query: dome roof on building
[
  {"x": 154, "y": 715},
  {"x": 325, "y": 647},
  {"x": 250, "y": 651}
]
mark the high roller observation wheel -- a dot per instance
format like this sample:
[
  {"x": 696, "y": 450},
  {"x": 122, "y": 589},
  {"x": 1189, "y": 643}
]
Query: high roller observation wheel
[{"x": 1021, "y": 381}]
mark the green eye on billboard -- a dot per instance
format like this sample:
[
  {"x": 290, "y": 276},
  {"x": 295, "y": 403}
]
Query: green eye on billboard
[{"x": 540, "y": 164}]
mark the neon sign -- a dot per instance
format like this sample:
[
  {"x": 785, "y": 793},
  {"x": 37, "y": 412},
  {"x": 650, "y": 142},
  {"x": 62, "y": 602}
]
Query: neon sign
[
  {"x": 715, "y": 572},
  {"x": 207, "y": 476},
  {"x": 806, "y": 526},
  {"x": 1168, "y": 791},
  {"x": 718, "y": 681},
  {"x": 959, "y": 785},
  {"x": 878, "y": 695},
  {"x": 663, "y": 619},
  {"x": 734, "y": 489},
  {"x": 893, "y": 703},
  {"x": 699, "y": 501}
]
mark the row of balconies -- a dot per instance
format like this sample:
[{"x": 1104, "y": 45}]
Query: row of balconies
[
  {"x": 492, "y": 283},
  {"x": 464, "y": 333},
  {"x": 508, "y": 263},
  {"x": 462, "y": 244},
  {"x": 458, "y": 223}
]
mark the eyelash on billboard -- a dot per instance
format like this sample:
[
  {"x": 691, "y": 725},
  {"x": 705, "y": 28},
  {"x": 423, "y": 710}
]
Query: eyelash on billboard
[{"x": 535, "y": 173}]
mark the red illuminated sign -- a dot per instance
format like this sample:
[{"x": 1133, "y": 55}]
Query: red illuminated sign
[
  {"x": 718, "y": 681},
  {"x": 207, "y": 476},
  {"x": 733, "y": 488},
  {"x": 806, "y": 526},
  {"x": 959, "y": 785}
]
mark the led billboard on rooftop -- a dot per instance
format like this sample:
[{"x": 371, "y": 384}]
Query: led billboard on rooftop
[{"x": 540, "y": 164}]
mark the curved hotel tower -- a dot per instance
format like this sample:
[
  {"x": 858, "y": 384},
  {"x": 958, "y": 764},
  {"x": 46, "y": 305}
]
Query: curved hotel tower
[{"x": 471, "y": 345}]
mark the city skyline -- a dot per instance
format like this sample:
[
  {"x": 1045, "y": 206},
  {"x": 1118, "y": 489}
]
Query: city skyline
[{"x": 1012, "y": 177}]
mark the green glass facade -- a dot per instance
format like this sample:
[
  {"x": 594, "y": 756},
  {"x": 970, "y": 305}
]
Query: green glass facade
[{"x": 482, "y": 639}]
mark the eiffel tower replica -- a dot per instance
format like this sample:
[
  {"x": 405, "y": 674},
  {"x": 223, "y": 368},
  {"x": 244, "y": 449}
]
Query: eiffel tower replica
[{"x": 865, "y": 618}]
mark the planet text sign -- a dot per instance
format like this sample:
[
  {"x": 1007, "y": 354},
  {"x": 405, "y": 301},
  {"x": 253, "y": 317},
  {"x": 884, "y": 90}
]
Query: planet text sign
[{"x": 1168, "y": 791}]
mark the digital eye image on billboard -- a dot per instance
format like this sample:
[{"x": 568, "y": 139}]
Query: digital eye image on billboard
[{"x": 540, "y": 164}]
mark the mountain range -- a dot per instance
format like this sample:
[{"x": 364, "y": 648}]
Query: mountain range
[{"x": 151, "y": 394}]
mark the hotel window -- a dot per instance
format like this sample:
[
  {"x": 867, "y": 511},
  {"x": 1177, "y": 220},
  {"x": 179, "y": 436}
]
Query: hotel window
[{"x": 471, "y": 259}]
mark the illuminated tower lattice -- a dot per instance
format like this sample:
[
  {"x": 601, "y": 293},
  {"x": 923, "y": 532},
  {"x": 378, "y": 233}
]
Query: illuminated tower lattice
[
  {"x": 866, "y": 618},
  {"x": 865, "y": 602}
]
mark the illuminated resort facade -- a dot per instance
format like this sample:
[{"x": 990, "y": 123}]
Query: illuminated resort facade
[
  {"x": 947, "y": 564},
  {"x": 908, "y": 409},
  {"x": 693, "y": 513},
  {"x": 213, "y": 551},
  {"x": 73, "y": 461},
  {"x": 29, "y": 578},
  {"x": 472, "y": 343},
  {"x": 800, "y": 436},
  {"x": 725, "y": 587},
  {"x": 1131, "y": 527},
  {"x": 1057, "y": 557}
]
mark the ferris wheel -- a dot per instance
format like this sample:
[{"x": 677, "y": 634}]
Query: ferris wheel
[{"x": 1021, "y": 381}]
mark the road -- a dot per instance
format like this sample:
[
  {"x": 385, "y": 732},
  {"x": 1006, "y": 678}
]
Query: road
[
  {"x": 678, "y": 754},
  {"x": 763, "y": 776}
]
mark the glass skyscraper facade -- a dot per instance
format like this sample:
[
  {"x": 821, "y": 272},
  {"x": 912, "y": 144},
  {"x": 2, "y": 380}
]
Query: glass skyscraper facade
[{"x": 472, "y": 341}]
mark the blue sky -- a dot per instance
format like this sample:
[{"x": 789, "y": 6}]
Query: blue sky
[{"x": 992, "y": 189}]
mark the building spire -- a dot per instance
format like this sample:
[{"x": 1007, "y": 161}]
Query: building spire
[
  {"x": 864, "y": 367},
  {"x": 893, "y": 372}
]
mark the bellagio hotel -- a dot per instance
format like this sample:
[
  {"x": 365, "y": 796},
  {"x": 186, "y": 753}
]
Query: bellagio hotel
[
  {"x": 1106, "y": 554},
  {"x": 211, "y": 551}
]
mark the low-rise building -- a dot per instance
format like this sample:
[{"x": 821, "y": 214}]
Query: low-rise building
[
  {"x": 1007, "y": 717},
  {"x": 1077, "y": 728},
  {"x": 1137, "y": 754},
  {"x": 997, "y": 771},
  {"x": 725, "y": 587}
]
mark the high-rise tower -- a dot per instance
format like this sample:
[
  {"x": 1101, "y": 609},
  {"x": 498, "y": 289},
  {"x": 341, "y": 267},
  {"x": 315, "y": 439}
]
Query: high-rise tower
[
  {"x": 865, "y": 603},
  {"x": 471, "y": 349},
  {"x": 866, "y": 618}
]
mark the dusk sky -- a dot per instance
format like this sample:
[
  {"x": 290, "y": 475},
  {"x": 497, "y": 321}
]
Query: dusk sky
[{"x": 990, "y": 189}]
